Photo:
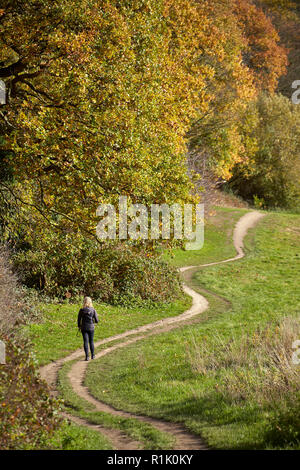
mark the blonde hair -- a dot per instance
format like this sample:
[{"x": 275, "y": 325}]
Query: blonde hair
[{"x": 87, "y": 302}]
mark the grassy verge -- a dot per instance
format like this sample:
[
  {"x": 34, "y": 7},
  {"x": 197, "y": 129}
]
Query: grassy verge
[{"x": 194, "y": 375}]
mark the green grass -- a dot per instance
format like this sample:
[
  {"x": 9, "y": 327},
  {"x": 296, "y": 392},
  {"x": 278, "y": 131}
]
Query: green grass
[
  {"x": 149, "y": 436},
  {"x": 218, "y": 231},
  {"x": 70, "y": 436},
  {"x": 262, "y": 288},
  {"x": 56, "y": 336}
]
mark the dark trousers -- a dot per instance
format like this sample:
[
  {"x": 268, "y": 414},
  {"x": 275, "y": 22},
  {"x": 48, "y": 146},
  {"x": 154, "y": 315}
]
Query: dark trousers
[{"x": 88, "y": 338}]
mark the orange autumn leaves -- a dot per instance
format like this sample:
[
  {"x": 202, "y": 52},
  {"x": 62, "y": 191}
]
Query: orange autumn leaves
[{"x": 265, "y": 56}]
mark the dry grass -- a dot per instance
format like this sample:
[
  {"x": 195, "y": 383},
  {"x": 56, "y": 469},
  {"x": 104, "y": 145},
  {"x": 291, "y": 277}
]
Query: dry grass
[{"x": 257, "y": 366}]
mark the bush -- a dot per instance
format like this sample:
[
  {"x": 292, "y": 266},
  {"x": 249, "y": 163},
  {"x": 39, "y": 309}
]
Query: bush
[
  {"x": 283, "y": 428},
  {"x": 117, "y": 274},
  {"x": 141, "y": 278},
  {"x": 16, "y": 306},
  {"x": 28, "y": 415}
]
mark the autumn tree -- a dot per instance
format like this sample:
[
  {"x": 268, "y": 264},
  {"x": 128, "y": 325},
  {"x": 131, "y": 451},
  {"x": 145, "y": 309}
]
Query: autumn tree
[
  {"x": 285, "y": 15},
  {"x": 102, "y": 95},
  {"x": 252, "y": 61},
  {"x": 272, "y": 172},
  {"x": 100, "y": 98}
]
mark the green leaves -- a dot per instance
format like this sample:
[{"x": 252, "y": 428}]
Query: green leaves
[{"x": 272, "y": 172}]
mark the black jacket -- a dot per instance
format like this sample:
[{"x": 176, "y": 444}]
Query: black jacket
[{"x": 87, "y": 316}]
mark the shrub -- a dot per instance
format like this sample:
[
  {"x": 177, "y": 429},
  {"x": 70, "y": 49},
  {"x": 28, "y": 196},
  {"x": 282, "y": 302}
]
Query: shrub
[
  {"x": 28, "y": 415},
  {"x": 116, "y": 274},
  {"x": 16, "y": 306},
  {"x": 283, "y": 427}
]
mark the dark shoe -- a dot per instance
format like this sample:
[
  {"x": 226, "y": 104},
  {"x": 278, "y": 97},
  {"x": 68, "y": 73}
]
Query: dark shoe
[
  {"x": 87, "y": 358},
  {"x": 93, "y": 356}
]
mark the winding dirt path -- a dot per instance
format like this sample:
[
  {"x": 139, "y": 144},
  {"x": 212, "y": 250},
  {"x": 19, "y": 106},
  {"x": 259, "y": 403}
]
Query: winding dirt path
[{"x": 184, "y": 440}]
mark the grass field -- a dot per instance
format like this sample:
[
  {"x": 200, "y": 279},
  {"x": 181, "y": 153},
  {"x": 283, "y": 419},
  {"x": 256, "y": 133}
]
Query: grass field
[
  {"x": 56, "y": 336},
  {"x": 230, "y": 377},
  {"x": 207, "y": 375}
]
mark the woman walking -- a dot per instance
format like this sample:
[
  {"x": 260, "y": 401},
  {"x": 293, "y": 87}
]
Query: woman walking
[{"x": 87, "y": 317}]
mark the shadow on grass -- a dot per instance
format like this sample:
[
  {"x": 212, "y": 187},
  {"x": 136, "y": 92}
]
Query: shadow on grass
[{"x": 215, "y": 411}]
